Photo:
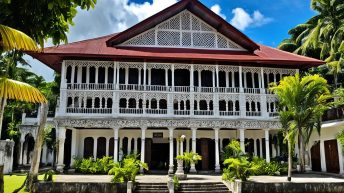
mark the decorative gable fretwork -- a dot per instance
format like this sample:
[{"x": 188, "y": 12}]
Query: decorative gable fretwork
[{"x": 185, "y": 30}]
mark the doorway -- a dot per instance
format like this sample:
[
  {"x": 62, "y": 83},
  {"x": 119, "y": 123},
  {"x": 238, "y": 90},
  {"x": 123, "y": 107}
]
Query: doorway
[
  {"x": 315, "y": 157},
  {"x": 331, "y": 155}
]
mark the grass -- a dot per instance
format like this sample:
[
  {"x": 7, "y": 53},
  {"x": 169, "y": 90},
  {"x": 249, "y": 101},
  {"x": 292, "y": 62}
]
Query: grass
[{"x": 12, "y": 182}]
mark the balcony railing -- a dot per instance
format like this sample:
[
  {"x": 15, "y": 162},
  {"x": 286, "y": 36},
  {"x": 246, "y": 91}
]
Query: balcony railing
[
  {"x": 203, "y": 112},
  {"x": 78, "y": 110},
  {"x": 229, "y": 113},
  {"x": 90, "y": 86},
  {"x": 253, "y": 113},
  {"x": 182, "y": 112}
]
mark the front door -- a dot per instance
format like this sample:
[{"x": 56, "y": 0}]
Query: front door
[
  {"x": 331, "y": 155},
  {"x": 315, "y": 157}
]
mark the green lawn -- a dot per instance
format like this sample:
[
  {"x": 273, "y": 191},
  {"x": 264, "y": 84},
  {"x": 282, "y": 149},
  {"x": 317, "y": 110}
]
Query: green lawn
[{"x": 15, "y": 181}]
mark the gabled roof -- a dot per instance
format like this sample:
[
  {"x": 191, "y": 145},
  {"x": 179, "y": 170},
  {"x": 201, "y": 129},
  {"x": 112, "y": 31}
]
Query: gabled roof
[
  {"x": 198, "y": 9},
  {"x": 96, "y": 49}
]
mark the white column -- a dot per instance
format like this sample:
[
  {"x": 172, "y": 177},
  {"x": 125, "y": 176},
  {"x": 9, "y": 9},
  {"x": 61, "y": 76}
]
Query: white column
[
  {"x": 115, "y": 140},
  {"x": 88, "y": 75},
  {"x": 181, "y": 147},
  {"x": 72, "y": 75},
  {"x": 22, "y": 140},
  {"x": 144, "y": 74},
  {"x": 127, "y": 75},
  {"x": 261, "y": 148},
  {"x": 143, "y": 143},
  {"x": 170, "y": 171},
  {"x": 166, "y": 78},
  {"x": 107, "y": 146},
  {"x": 172, "y": 69},
  {"x": 255, "y": 147},
  {"x": 135, "y": 145},
  {"x": 61, "y": 140},
  {"x": 193, "y": 146},
  {"x": 217, "y": 153},
  {"x": 74, "y": 146},
  {"x": 177, "y": 153},
  {"x": 192, "y": 77},
  {"x": 217, "y": 76},
  {"x": 227, "y": 79},
  {"x": 267, "y": 145},
  {"x": 44, "y": 154},
  {"x": 129, "y": 145},
  {"x": 117, "y": 75},
  {"x": 149, "y": 76},
  {"x": 242, "y": 139},
  {"x": 139, "y": 82},
  {"x": 340, "y": 157},
  {"x": 97, "y": 75},
  {"x": 322, "y": 156},
  {"x": 199, "y": 72},
  {"x": 106, "y": 75},
  {"x": 187, "y": 141},
  {"x": 95, "y": 146},
  {"x": 213, "y": 76}
]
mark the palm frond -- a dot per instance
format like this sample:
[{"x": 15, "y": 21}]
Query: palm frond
[
  {"x": 14, "y": 39},
  {"x": 12, "y": 89}
]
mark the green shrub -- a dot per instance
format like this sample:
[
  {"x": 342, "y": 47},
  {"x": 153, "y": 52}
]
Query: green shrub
[
  {"x": 233, "y": 149},
  {"x": 272, "y": 169},
  {"x": 176, "y": 183},
  {"x": 89, "y": 166},
  {"x": 238, "y": 168},
  {"x": 127, "y": 170},
  {"x": 48, "y": 176}
]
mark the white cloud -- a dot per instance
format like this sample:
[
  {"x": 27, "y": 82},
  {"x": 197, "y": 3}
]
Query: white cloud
[
  {"x": 243, "y": 20},
  {"x": 110, "y": 16},
  {"x": 217, "y": 9}
]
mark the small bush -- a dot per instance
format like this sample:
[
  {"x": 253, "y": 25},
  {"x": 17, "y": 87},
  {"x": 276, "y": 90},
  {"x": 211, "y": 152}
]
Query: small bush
[
  {"x": 48, "y": 176},
  {"x": 238, "y": 168},
  {"x": 127, "y": 170},
  {"x": 89, "y": 166},
  {"x": 176, "y": 183}
]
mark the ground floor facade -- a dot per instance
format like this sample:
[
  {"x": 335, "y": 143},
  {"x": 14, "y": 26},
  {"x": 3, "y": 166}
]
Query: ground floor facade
[{"x": 158, "y": 141}]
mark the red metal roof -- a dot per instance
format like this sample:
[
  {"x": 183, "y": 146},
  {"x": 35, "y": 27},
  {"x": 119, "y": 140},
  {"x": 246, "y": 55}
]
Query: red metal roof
[{"x": 97, "y": 49}]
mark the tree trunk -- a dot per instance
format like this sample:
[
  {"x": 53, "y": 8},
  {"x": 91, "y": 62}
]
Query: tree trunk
[
  {"x": 1, "y": 178},
  {"x": 36, "y": 157},
  {"x": 2, "y": 109},
  {"x": 290, "y": 159},
  {"x": 301, "y": 151}
]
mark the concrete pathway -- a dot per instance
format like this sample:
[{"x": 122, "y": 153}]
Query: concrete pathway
[{"x": 298, "y": 178}]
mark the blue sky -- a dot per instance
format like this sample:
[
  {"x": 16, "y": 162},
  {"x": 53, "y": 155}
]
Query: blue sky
[{"x": 265, "y": 21}]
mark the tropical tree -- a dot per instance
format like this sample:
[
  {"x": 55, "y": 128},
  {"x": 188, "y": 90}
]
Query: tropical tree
[
  {"x": 289, "y": 136},
  {"x": 304, "y": 99},
  {"x": 321, "y": 36}
]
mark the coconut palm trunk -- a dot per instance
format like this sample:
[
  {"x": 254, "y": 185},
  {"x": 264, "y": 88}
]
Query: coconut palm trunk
[
  {"x": 32, "y": 177},
  {"x": 301, "y": 151},
  {"x": 2, "y": 109},
  {"x": 290, "y": 159}
]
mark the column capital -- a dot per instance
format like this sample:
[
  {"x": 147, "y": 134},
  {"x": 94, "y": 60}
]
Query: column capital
[
  {"x": 171, "y": 128},
  {"x": 193, "y": 128},
  {"x": 143, "y": 128},
  {"x": 217, "y": 128}
]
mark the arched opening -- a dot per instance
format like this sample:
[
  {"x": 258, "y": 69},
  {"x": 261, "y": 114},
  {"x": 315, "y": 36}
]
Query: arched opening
[
  {"x": 154, "y": 104},
  {"x": 101, "y": 147},
  {"x": 203, "y": 105},
  {"x": 182, "y": 77},
  {"x": 123, "y": 103},
  {"x": 88, "y": 147},
  {"x": 132, "y": 103},
  {"x": 111, "y": 146},
  {"x": 163, "y": 104}
]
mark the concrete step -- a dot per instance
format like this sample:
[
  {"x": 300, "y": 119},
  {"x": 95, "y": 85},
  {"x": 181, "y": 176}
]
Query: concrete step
[
  {"x": 151, "y": 188},
  {"x": 213, "y": 187}
]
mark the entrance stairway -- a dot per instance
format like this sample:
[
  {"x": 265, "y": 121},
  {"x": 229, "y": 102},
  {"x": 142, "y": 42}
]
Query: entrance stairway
[
  {"x": 206, "y": 187},
  {"x": 151, "y": 188},
  {"x": 209, "y": 187}
]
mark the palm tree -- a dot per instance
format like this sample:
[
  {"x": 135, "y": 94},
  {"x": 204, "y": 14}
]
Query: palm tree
[
  {"x": 321, "y": 36},
  {"x": 305, "y": 99},
  {"x": 13, "y": 39},
  {"x": 289, "y": 136}
]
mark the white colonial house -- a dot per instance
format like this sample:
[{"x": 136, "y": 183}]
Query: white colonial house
[{"x": 183, "y": 71}]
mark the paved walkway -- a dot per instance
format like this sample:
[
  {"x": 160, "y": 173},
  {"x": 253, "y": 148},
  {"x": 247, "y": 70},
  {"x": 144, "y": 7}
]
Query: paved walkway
[{"x": 297, "y": 178}]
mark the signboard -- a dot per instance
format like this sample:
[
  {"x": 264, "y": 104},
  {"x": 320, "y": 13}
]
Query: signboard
[{"x": 158, "y": 135}]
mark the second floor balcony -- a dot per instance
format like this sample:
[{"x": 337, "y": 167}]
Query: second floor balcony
[{"x": 90, "y": 88}]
